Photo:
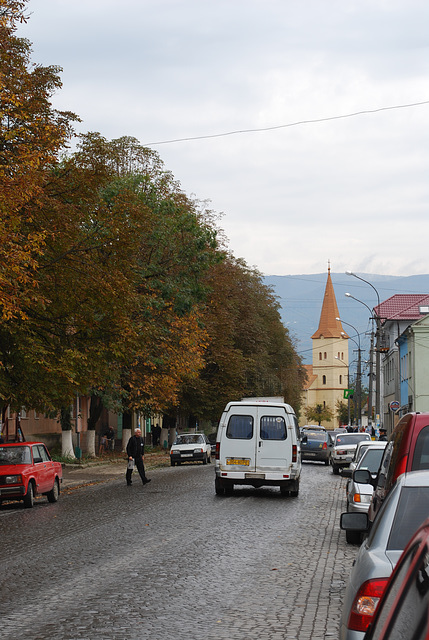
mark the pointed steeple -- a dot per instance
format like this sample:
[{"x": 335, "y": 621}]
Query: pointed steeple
[{"x": 329, "y": 326}]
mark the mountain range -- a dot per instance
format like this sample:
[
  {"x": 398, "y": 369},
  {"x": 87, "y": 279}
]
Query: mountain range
[{"x": 300, "y": 298}]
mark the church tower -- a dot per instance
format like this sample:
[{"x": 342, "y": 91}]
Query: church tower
[{"x": 327, "y": 377}]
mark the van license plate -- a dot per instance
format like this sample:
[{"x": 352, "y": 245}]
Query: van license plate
[{"x": 238, "y": 461}]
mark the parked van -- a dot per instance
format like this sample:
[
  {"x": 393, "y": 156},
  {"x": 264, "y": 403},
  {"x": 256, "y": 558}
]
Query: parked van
[
  {"x": 407, "y": 450},
  {"x": 258, "y": 444}
]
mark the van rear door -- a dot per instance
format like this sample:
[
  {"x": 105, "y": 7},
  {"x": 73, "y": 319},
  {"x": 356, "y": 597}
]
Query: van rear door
[
  {"x": 241, "y": 436},
  {"x": 273, "y": 446}
]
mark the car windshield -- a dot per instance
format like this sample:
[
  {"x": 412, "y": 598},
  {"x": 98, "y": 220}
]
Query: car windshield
[
  {"x": 351, "y": 438},
  {"x": 412, "y": 510},
  {"x": 189, "y": 438},
  {"x": 371, "y": 460},
  {"x": 15, "y": 455}
]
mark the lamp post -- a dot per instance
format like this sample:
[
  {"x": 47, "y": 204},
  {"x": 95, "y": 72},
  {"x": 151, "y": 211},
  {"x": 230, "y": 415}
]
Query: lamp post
[
  {"x": 371, "y": 356},
  {"x": 377, "y": 351},
  {"x": 358, "y": 373}
]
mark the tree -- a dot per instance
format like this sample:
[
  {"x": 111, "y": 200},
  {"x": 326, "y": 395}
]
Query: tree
[{"x": 319, "y": 413}]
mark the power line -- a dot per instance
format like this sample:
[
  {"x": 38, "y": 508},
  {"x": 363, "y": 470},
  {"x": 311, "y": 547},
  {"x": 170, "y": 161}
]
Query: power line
[{"x": 290, "y": 124}]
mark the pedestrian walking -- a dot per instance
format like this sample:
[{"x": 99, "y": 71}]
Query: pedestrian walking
[
  {"x": 110, "y": 435},
  {"x": 383, "y": 434},
  {"x": 135, "y": 452}
]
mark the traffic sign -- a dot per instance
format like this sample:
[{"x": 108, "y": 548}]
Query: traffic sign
[
  {"x": 394, "y": 405},
  {"x": 348, "y": 393}
]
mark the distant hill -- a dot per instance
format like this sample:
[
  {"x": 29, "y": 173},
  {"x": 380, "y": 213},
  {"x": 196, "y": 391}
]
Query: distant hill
[{"x": 301, "y": 297}]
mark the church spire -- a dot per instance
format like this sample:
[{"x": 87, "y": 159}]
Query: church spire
[{"x": 329, "y": 326}]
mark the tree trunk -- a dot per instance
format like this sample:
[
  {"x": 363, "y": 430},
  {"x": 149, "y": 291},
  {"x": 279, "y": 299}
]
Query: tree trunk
[
  {"x": 126, "y": 435},
  {"x": 90, "y": 443},
  {"x": 67, "y": 444}
]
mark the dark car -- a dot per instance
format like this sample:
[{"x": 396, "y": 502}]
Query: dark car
[
  {"x": 403, "y": 611},
  {"x": 27, "y": 470},
  {"x": 407, "y": 450},
  {"x": 316, "y": 445}
]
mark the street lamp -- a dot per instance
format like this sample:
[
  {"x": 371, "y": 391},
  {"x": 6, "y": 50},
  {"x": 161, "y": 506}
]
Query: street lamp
[
  {"x": 377, "y": 350},
  {"x": 358, "y": 374},
  {"x": 371, "y": 351}
]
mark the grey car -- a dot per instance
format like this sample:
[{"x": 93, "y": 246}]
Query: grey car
[
  {"x": 316, "y": 445},
  {"x": 344, "y": 449},
  {"x": 359, "y": 495},
  {"x": 403, "y": 511}
]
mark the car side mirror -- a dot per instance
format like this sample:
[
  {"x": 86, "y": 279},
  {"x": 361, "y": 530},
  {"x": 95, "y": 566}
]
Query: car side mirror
[
  {"x": 363, "y": 476},
  {"x": 304, "y": 439},
  {"x": 354, "y": 521},
  {"x": 346, "y": 472}
]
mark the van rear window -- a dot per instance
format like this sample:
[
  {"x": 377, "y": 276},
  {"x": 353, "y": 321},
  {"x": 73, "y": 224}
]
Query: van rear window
[
  {"x": 273, "y": 428},
  {"x": 240, "y": 428}
]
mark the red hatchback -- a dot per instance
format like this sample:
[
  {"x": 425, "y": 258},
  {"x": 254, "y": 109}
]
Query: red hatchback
[
  {"x": 406, "y": 450},
  {"x": 27, "y": 470}
]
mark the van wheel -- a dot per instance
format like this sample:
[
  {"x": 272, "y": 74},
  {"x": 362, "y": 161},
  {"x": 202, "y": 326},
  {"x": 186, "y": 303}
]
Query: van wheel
[
  {"x": 229, "y": 489},
  {"x": 284, "y": 491},
  {"x": 219, "y": 488}
]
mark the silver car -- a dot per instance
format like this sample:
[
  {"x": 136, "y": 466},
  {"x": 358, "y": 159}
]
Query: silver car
[
  {"x": 403, "y": 511},
  {"x": 359, "y": 495},
  {"x": 344, "y": 449},
  {"x": 360, "y": 450}
]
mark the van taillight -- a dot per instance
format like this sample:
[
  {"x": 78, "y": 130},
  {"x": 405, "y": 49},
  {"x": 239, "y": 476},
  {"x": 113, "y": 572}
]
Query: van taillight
[
  {"x": 294, "y": 453},
  {"x": 402, "y": 467},
  {"x": 217, "y": 454}
]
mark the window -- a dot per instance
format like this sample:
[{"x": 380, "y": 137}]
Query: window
[
  {"x": 323, "y": 379},
  {"x": 320, "y": 355},
  {"x": 273, "y": 428},
  {"x": 325, "y": 355},
  {"x": 240, "y": 427},
  {"x": 341, "y": 380}
]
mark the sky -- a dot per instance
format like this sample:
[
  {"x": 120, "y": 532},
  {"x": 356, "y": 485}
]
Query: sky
[{"x": 290, "y": 117}]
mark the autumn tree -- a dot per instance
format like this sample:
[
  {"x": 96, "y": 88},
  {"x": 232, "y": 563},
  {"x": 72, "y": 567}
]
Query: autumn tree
[{"x": 319, "y": 413}]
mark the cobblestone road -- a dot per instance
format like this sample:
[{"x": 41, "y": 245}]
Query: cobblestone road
[{"x": 173, "y": 560}]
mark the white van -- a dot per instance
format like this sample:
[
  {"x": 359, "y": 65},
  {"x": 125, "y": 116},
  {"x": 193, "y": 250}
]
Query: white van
[{"x": 258, "y": 444}]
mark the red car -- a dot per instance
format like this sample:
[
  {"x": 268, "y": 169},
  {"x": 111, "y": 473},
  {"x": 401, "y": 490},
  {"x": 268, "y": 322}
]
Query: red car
[{"x": 27, "y": 470}]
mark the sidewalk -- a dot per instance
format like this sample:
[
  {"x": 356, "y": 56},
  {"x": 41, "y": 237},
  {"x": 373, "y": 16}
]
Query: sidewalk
[{"x": 103, "y": 470}]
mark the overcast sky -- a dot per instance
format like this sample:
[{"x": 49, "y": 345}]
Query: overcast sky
[{"x": 352, "y": 190}]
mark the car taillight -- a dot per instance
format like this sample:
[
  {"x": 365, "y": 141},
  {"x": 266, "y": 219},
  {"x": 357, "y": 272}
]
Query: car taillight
[
  {"x": 341, "y": 453},
  {"x": 294, "y": 453},
  {"x": 325, "y": 446},
  {"x": 365, "y": 604},
  {"x": 217, "y": 452}
]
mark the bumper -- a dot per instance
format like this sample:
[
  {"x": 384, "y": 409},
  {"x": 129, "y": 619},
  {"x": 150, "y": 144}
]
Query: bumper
[
  {"x": 257, "y": 479},
  {"x": 321, "y": 456},
  {"x": 12, "y": 492},
  {"x": 194, "y": 457}
]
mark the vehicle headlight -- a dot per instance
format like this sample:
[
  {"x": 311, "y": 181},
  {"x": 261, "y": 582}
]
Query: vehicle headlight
[
  {"x": 199, "y": 450},
  {"x": 13, "y": 479},
  {"x": 364, "y": 498},
  {"x": 174, "y": 451}
]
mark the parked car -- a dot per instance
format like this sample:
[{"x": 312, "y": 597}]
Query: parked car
[
  {"x": 404, "y": 510},
  {"x": 360, "y": 450},
  {"x": 407, "y": 450},
  {"x": 403, "y": 611},
  {"x": 316, "y": 445},
  {"x": 313, "y": 427},
  {"x": 190, "y": 447},
  {"x": 212, "y": 439},
  {"x": 344, "y": 448},
  {"x": 26, "y": 471},
  {"x": 359, "y": 495}
]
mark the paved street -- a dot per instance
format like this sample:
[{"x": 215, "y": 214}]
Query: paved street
[{"x": 172, "y": 559}]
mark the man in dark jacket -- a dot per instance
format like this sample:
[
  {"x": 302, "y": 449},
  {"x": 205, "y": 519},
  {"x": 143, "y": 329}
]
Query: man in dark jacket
[{"x": 135, "y": 452}]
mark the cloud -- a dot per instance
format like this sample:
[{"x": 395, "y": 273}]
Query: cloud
[{"x": 354, "y": 190}]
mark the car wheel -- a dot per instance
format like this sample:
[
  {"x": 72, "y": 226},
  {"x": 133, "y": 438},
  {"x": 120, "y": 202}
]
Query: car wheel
[
  {"x": 219, "y": 488},
  {"x": 335, "y": 469},
  {"x": 353, "y": 537},
  {"x": 326, "y": 462},
  {"x": 205, "y": 459},
  {"x": 54, "y": 493},
  {"x": 209, "y": 459},
  {"x": 29, "y": 496},
  {"x": 173, "y": 464}
]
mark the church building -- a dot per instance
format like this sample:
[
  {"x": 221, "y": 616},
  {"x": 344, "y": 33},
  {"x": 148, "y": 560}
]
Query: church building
[{"x": 327, "y": 377}]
